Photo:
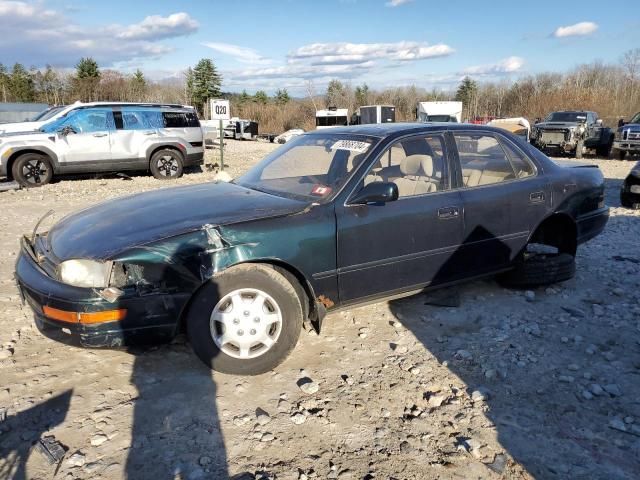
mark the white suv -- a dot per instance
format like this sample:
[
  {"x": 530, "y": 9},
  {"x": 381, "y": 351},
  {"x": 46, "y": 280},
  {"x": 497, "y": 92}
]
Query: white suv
[{"x": 103, "y": 137}]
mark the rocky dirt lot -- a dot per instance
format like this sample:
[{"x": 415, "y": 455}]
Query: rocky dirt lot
[{"x": 509, "y": 384}]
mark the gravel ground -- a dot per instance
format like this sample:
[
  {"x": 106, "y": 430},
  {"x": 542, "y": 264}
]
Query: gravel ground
[{"x": 539, "y": 384}]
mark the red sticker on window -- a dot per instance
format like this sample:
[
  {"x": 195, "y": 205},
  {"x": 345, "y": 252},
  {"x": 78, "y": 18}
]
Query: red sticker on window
[{"x": 320, "y": 190}]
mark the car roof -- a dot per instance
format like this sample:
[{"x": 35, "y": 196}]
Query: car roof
[{"x": 383, "y": 130}]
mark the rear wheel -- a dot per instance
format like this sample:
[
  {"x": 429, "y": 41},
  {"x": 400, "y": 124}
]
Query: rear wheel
[
  {"x": 166, "y": 164},
  {"x": 32, "y": 170},
  {"x": 245, "y": 321},
  {"x": 540, "y": 265}
]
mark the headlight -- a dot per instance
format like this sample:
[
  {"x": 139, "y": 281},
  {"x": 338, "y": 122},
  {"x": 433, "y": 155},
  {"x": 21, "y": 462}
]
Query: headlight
[{"x": 84, "y": 273}]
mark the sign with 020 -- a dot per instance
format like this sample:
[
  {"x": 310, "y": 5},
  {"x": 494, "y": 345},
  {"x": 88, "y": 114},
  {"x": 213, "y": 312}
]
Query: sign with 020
[{"x": 220, "y": 110}]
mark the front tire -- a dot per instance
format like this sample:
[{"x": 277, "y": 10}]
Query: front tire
[
  {"x": 245, "y": 321},
  {"x": 166, "y": 164},
  {"x": 32, "y": 170}
]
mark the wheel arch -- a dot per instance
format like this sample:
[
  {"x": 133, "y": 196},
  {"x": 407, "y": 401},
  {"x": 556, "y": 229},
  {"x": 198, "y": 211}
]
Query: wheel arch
[
  {"x": 176, "y": 146},
  {"x": 21, "y": 151},
  {"x": 558, "y": 230},
  {"x": 311, "y": 311}
]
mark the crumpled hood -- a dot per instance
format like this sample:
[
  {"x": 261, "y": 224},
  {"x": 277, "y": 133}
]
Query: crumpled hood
[{"x": 112, "y": 227}]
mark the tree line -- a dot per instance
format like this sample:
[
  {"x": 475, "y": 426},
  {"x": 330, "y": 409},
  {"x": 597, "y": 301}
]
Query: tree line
[{"x": 611, "y": 89}]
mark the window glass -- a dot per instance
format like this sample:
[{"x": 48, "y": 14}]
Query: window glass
[
  {"x": 482, "y": 159},
  {"x": 175, "y": 120},
  {"x": 146, "y": 119},
  {"x": 521, "y": 164},
  {"x": 416, "y": 165},
  {"x": 86, "y": 121},
  {"x": 309, "y": 167}
]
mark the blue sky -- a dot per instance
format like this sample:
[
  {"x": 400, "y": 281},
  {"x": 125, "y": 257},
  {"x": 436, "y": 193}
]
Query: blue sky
[{"x": 286, "y": 43}]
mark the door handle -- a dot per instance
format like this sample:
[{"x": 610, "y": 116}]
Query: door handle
[
  {"x": 536, "y": 197},
  {"x": 148, "y": 133},
  {"x": 448, "y": 212},
  {"x": 100, "y": 134}
]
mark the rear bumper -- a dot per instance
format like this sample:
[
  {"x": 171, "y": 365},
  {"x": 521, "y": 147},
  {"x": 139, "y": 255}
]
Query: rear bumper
[
  {"x": 150, "y": 318},
  {"x": 592, "y": 224},
  {"x": 194, "y": 158}
]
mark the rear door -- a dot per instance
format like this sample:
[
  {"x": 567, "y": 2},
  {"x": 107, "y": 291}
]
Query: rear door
[
  {"x": 136, "y": 127},
  {"x": 406, "y": 244},
  {"x": 502, "y": 197}
]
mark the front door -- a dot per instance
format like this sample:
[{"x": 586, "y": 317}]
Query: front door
[
  {"x": 88, "y": 145},
  {"x": 408, "y": 243}
]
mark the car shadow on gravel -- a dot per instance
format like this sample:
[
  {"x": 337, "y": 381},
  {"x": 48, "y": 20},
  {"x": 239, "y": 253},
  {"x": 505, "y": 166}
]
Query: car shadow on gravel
[
  {"x": 176, "y": 429},
  {"x": 523, "y": 387},
  {"x": 21, "y": 431}
]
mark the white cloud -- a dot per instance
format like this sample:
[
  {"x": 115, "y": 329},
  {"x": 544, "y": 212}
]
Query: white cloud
[
  {"x": 397, "y": 3},
  {"x": 241, "y": 54},
  {"x": 156, "y": 27},
  {"x": 343, "y": 53},
  {"x": 503, "y": 67},
  {"x": 578, "y": 29},
  {"x": 35, "y": 35}
]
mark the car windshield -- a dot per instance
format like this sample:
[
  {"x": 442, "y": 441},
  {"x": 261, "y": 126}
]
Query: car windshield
[
  {"x": 309, "y": 167},
  {"x": 54, "y": 125},
  {"x": 635, "y": 118},
  {"x": 566, "y": 117}
]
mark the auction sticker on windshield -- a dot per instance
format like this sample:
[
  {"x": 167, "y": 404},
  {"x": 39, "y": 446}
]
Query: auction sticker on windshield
[
  {"x": 351, "y": 145},
  {"x": 320, "y": 190}
]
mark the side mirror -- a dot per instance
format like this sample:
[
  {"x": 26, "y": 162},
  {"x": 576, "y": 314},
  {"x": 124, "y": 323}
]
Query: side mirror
[
  {"x": 599, "y": 122},
  {"x": 376, "y": 192},
  {"x": 64, "y": 131}
]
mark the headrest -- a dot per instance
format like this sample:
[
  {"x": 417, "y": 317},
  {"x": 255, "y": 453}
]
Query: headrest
[{"x": 415, "y": 165}]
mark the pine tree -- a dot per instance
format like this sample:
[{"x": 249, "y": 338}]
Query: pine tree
[
  {"x": 261, "y": 97},
  {"x": 362, "y": 95},
  {"x": 282, "y": 96},
  {"x": 188, "y": 86},
  {"x": 87, "y": 67},
  {"x": 21, "y": 84},
  {"x": 467, "y": 93},
  {"x": 244, "y": 97},
  {"x": 4, "y": 83},
  {"x": 138, "y": 85},
  {"x": 206, "y": 83},
  {"x": 86, "y": 80},
  {"x": 336, "y": 94}
]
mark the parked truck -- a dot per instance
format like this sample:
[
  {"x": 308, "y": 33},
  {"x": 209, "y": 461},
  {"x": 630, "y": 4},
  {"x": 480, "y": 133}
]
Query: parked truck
[
  {"x": 439, "y": 112},
  {"x": 572, "y": 133},
  {"x": 627, "y": 138}
]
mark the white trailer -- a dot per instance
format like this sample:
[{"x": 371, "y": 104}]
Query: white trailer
[
  {"x": 439, "y": 112},
  {"x": 332, "y": 117}
]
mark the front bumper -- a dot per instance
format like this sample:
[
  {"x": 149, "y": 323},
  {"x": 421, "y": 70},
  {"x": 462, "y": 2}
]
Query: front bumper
[
  {"x": 627, "y": 145},
  {"x": 150, "y": 318},
  {"x": 592, "y": 224}
]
